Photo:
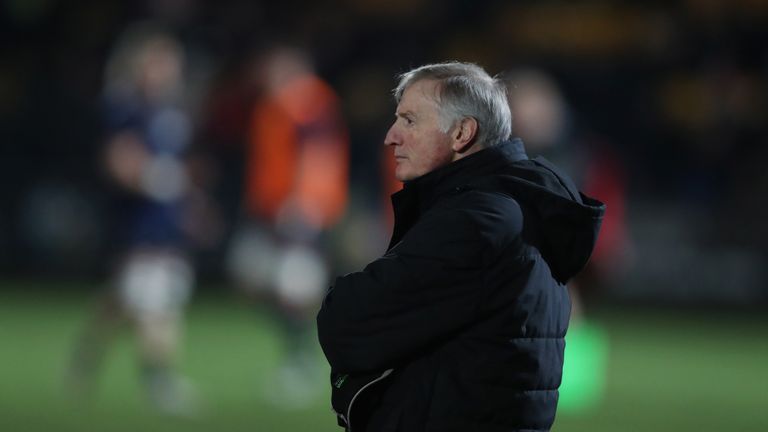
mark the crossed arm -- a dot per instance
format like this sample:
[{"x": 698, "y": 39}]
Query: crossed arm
[{"x": 419, "y": 293}]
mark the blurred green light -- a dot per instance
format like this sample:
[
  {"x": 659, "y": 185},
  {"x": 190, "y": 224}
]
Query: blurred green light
[{"x": 584, "y": 370}]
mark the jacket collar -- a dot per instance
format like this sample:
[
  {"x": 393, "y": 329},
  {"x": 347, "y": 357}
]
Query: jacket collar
[
  {"x": 420, "y": 194},
  {"x": 454, "y": 176}
]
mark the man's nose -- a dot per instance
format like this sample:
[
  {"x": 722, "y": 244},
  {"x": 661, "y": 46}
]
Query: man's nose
[{"x": 393, "y": 137}]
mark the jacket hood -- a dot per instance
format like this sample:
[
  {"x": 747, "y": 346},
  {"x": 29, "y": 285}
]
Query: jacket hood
[{"x": 568, "y": 220}]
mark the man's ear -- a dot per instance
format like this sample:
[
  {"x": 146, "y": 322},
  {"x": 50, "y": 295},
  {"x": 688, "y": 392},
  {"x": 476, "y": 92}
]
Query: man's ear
[{"x": 464, "y": 135}]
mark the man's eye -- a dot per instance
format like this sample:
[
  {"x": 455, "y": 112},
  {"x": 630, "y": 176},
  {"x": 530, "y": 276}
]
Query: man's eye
[{"x": 408, "y": 121}]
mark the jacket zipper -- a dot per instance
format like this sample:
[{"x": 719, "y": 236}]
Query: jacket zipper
[{"x": 349, "y": 409}]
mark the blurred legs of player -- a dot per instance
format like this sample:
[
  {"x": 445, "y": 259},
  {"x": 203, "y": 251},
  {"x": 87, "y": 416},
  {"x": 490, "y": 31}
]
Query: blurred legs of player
[
  {"x": 152, "y": 288},
  {"x": 291, "y": 276}
]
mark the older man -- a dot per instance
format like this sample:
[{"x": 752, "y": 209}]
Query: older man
[{"x": 460, "y": 325}]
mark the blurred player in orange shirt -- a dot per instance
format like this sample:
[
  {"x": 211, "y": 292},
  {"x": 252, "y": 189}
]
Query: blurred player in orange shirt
[{"x": 296, "y": 189}]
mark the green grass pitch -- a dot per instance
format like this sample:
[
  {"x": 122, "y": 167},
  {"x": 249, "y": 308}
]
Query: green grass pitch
[{"x": 663, "y": 371}]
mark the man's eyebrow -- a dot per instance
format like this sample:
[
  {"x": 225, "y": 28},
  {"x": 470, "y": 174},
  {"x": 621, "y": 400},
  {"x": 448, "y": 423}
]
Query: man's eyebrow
[{"x": 407, "y": 113}]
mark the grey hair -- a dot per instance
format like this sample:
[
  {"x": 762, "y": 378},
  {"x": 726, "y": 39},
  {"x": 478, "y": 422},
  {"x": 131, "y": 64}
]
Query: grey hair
[{"x": 465, "y": 90}]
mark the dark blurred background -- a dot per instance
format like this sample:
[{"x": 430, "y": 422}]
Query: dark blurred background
[
  {"x": 658, "y": 108},
  {"x": 675, "y": 91}
]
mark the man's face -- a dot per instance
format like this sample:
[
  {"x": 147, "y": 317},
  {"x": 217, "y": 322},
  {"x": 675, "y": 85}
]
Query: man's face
[{"x": 419, "y": 144}]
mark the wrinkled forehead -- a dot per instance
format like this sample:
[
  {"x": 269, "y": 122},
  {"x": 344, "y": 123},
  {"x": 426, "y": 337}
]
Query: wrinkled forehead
[{"x": 423, "y": 89}]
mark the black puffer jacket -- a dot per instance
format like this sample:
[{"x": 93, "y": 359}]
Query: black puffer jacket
[{"x": 460, "y": 325}]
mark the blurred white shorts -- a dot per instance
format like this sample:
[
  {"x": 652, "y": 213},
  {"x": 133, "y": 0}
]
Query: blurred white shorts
[
  {"x": 155, "y": 282},
  {"x": 258, "y": 261}
]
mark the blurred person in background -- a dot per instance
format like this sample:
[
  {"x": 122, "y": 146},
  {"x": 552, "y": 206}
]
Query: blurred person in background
[
  {"x": 460, "y": 325},
  {"x": 148, "y": 134},
  {"x": 544, "y": 118},
  {"x": 296, "y": 187}
]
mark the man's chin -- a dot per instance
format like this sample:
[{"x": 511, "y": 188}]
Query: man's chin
[{"x": 403, "y": 175}]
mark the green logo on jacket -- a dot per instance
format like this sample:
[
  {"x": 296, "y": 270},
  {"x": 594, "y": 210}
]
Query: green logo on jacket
[{"x": 340, "y": 381}]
